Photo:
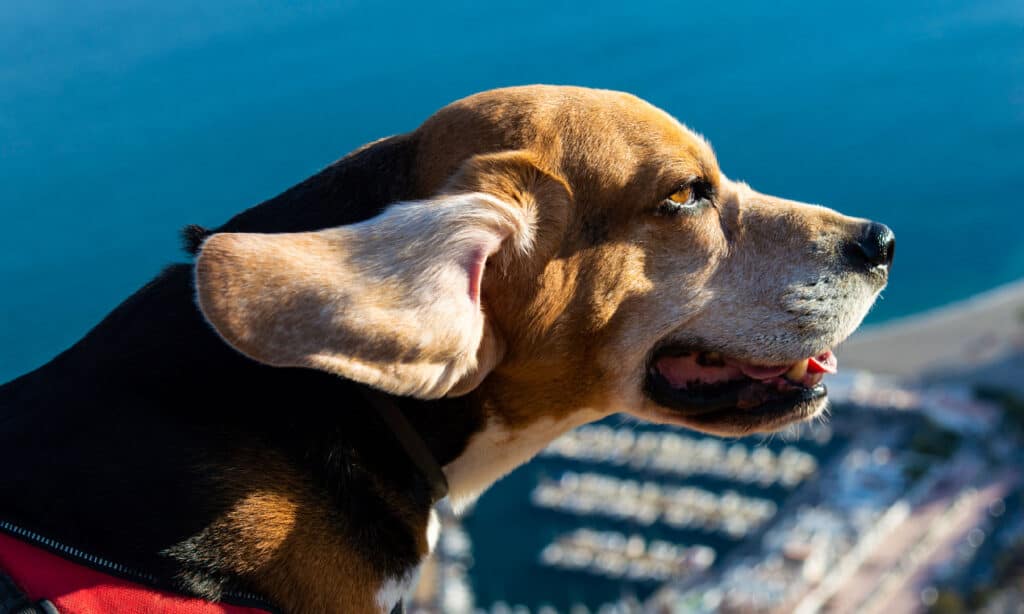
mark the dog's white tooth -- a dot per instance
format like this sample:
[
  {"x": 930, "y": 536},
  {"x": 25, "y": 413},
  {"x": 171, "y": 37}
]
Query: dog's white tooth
[{"x": 797, "y": 371}]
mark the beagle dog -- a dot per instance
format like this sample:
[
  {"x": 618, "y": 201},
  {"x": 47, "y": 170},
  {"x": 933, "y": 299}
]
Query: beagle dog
[{"x": 526, "y": 261}]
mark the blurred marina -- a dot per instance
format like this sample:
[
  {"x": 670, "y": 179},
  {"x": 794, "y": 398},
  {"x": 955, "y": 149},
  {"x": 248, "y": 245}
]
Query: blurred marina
[
  {"x": 616, "y": 555},
  {"x": 681, "y": 455},
  {"x": 594, "y": 494},
  {"x": 905, "y": 499}
]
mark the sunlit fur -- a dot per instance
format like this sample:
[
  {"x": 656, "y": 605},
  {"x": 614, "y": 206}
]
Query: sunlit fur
[{"x": 569, "y": 318}]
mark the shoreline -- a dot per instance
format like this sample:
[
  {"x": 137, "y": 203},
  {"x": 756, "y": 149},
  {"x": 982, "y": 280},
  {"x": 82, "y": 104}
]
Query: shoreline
[{"x": 982, "y": 333}]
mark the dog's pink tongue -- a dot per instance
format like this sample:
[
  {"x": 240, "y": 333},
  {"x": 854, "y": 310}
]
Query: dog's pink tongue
[
  {"x": 823, "y": 363},
  {"x": 680, "y": 371}
]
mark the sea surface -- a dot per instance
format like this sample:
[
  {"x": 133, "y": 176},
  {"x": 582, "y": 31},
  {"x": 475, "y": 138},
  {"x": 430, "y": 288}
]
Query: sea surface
[{"x": 121, "y": 121}]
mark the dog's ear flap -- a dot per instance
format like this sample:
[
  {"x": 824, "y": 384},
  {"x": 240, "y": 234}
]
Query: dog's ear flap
[{"x": 393, "y": 302}]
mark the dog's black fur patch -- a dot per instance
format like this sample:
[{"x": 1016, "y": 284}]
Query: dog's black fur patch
[
  {"x": 595, "y": 229},
  {"x": 114, "y": 446}
]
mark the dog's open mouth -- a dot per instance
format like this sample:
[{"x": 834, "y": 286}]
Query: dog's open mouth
[{"x": 707, "y": 384}]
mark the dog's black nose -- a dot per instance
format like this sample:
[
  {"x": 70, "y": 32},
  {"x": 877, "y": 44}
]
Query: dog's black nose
[{"x": 875, "y": 247}]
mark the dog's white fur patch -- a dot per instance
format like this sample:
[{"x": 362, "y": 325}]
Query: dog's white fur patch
[
  {"x": 393, "y": 590},
  {"x": 433, "y": 531},
  {"x": 496, "y": 450}
]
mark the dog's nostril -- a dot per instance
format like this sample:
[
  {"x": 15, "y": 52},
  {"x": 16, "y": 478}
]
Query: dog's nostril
[{"x": 876, "y": 246}]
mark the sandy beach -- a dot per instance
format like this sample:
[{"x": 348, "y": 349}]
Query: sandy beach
[{"x": 981, "y": 339}]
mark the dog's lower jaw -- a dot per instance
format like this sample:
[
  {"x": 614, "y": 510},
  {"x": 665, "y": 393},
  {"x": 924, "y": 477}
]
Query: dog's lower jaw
[
  {"x": 740, "y": 423},
  {"x": 498, "y": 449}
]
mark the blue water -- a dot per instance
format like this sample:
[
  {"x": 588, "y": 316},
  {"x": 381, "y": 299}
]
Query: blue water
[{"x": 122, "y": 121}]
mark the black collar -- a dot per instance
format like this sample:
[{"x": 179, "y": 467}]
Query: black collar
[{"x": 414, "y": 446}]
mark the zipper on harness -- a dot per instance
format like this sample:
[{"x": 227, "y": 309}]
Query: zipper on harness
[{"x": 104, "y": 564}]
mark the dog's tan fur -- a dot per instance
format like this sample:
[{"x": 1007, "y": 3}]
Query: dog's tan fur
[{"x": 557, "y": 187}]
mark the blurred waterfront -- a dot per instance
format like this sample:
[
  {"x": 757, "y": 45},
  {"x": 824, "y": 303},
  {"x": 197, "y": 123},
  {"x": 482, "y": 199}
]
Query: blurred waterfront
[{"x": 906, "y": 498}]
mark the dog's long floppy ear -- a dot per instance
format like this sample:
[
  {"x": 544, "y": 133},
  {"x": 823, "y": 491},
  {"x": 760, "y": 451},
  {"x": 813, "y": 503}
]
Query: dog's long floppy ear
[{"x": 393, "y": 302}]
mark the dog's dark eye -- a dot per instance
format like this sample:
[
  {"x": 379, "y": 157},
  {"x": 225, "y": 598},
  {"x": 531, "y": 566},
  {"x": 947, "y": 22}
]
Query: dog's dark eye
[{"x": 686, "y": 199}]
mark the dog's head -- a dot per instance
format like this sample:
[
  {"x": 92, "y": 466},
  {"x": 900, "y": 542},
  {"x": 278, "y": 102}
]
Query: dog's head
[{"x": 563, "y": 250}]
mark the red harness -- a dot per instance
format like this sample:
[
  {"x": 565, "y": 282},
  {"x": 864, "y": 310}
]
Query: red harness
[{"x": 77, "y": 589}]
